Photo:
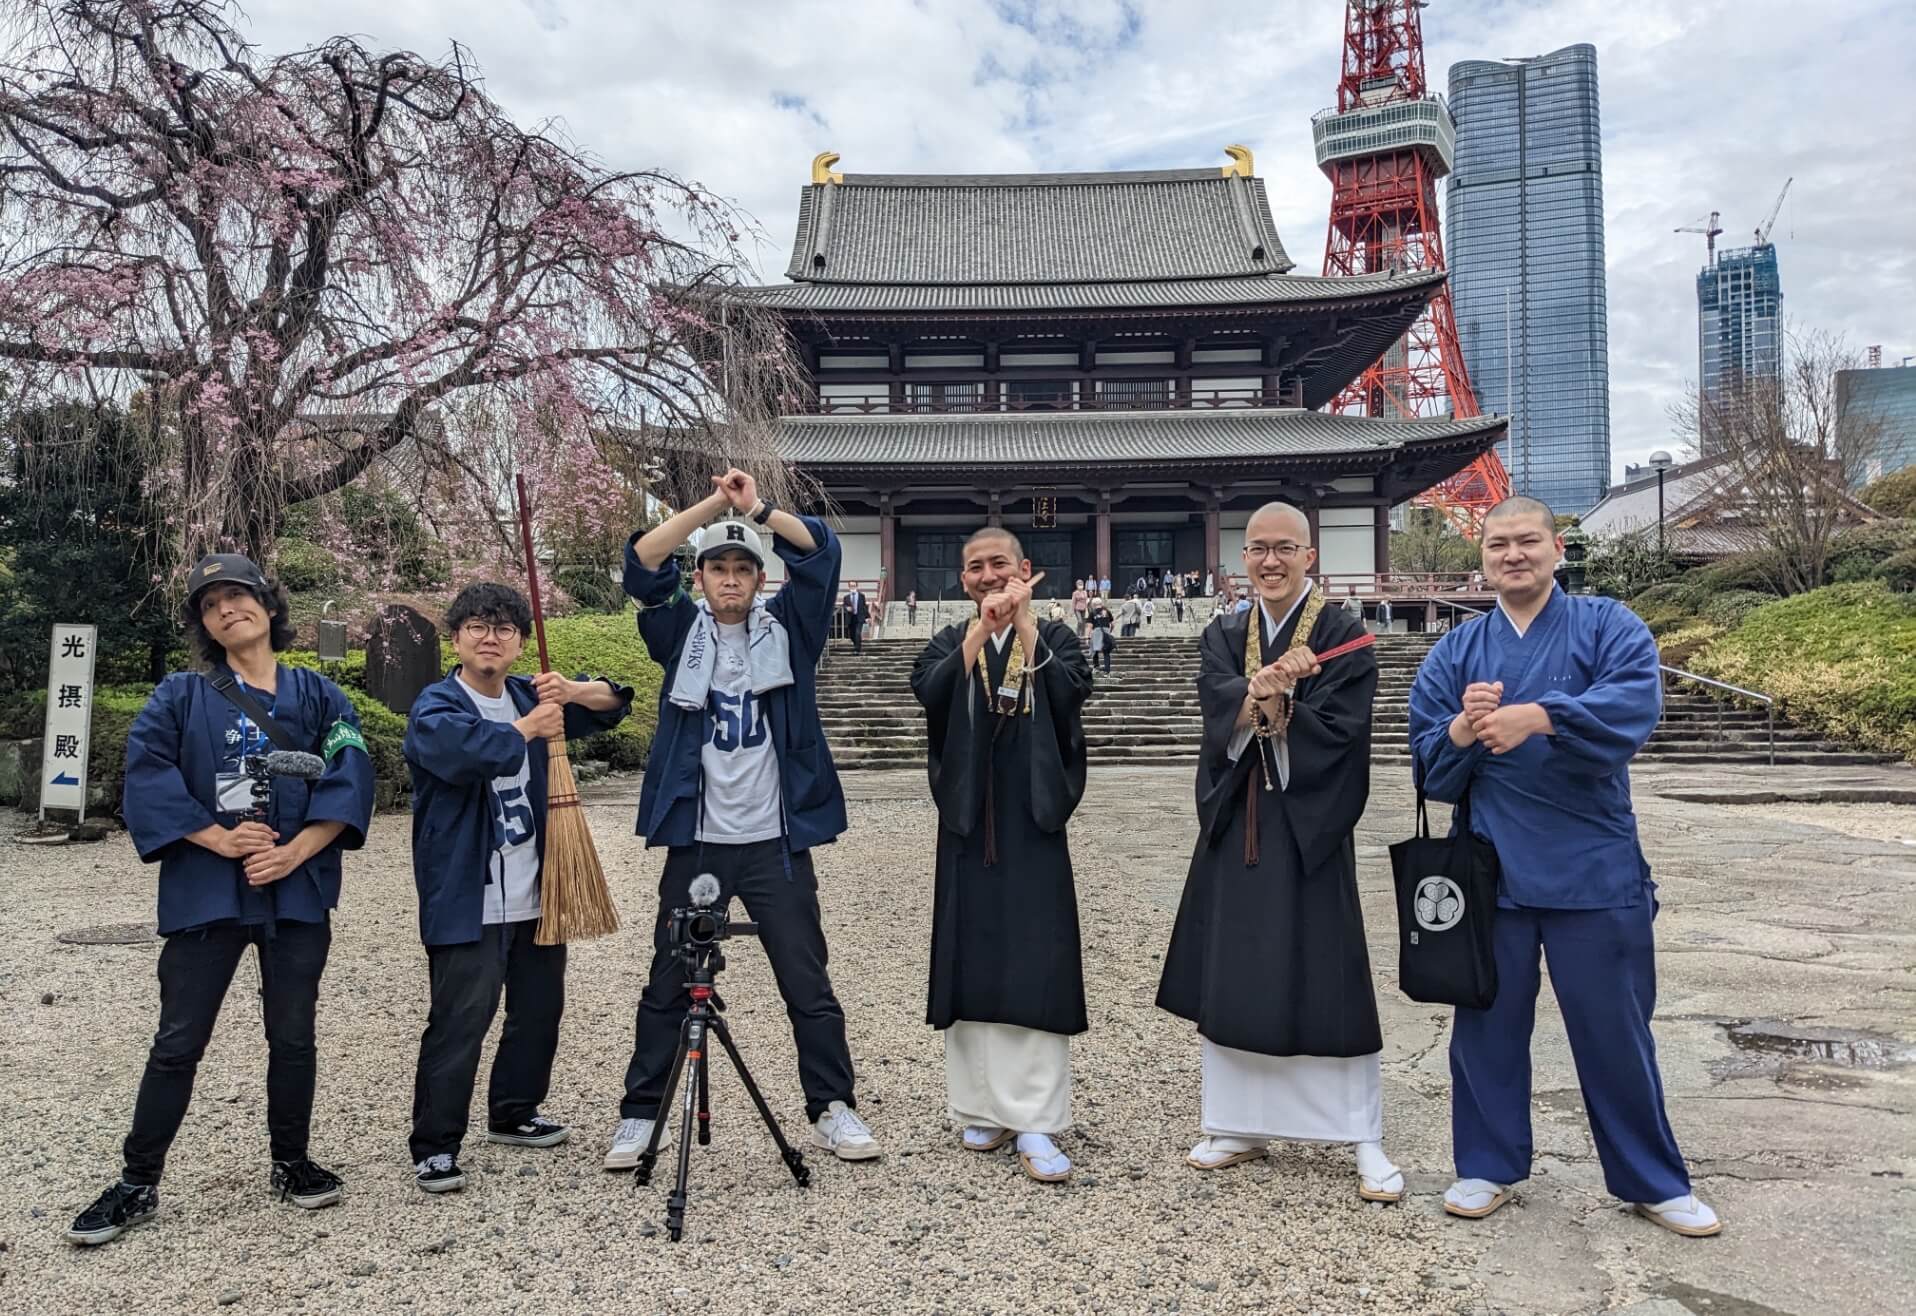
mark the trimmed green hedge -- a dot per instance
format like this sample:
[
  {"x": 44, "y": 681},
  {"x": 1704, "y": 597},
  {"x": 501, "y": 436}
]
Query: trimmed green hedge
[{"x": 1841, "y": 659}]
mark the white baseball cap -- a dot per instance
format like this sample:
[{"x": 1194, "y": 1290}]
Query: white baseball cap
[{"x": 724, "y": 536}]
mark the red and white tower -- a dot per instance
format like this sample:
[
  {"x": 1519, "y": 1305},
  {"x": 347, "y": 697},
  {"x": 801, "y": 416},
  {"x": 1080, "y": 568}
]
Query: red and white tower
[{"x": 1384, "y": 147}]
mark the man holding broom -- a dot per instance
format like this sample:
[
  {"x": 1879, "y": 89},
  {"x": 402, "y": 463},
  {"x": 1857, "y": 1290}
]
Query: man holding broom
[
  {"x": 741, "y": 784},
  {"x": 477, "y": 746}
]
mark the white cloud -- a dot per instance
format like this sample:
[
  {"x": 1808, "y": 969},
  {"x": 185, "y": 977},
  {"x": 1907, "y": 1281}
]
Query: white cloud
[{"x": 1707, "y": 105}]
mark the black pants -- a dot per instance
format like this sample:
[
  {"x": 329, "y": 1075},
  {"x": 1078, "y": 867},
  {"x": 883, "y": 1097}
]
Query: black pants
[
  {"x": 785, "y": 906},
  {"x": 1101, "y": 660},
  {"x": 466, "y": 982},
  {"x": 195, "y": 970},
  {"x": 856, "y": 629}
]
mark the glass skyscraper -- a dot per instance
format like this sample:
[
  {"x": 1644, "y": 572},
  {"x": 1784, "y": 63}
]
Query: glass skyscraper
[
  {"x": 1739, "y": 310},
  {"x": 1525, "y": 243}
]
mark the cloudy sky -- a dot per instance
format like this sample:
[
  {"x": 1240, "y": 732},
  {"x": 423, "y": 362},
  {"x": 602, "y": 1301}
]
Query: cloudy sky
[{"x": 1707, "y": 104}]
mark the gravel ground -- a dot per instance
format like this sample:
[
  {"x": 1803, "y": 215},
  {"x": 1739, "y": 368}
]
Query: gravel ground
[
  {"x": 1874, "y": 822},
  {"x": 930, "y": 1228}
]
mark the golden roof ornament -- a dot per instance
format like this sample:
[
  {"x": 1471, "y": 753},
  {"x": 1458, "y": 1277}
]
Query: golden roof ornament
[
  {"x": 822, "y": 171},
  {"x": 1241, "y": 162}
]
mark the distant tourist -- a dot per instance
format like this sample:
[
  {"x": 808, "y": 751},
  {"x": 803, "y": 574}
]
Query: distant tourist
[
  {"x": 1210, "y": 585},
  {"x": 1103, "y": 642},
  {"x": 1383, "y": 614},
  {"x": 911, "y": 607},
  {"x": 1536, "y": 710},
  {"x": 1080, "y": 605},
  {"x": 1104, "y": 587}
]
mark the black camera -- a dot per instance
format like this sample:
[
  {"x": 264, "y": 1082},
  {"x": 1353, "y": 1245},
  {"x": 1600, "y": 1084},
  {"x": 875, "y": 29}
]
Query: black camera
[{"x": 703, "y": 924}]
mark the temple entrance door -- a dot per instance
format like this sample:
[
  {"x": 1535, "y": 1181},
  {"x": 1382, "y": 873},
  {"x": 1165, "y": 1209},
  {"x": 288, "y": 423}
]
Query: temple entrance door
[
  {"x": 1139, "y": 553},
  {"x": 1050, "y": 552}
]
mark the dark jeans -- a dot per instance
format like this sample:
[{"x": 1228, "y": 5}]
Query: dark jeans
[
  {"x": 1101, "y": 660},
  {"x": 195, "y": 970},
  {"x": 466, "y": 982},
  {"x": 785, "y": 906}
]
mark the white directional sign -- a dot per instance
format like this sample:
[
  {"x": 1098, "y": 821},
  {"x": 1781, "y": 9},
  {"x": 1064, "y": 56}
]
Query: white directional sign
[{"x": 69, "y": 720}]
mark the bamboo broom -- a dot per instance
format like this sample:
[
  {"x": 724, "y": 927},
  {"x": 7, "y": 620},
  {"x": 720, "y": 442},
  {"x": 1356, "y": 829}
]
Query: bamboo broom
[{"x": 574, "y": 900}]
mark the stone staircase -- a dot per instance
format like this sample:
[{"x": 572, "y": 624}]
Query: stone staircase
[{"x": 1149, "y": 713}]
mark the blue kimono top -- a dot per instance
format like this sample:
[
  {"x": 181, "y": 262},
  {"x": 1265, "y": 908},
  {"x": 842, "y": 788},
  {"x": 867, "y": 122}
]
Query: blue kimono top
[
  {"x": 454, "y": 753},
  {"x": 1557, "y": 808},
  {"x": 182, "y": 763}
]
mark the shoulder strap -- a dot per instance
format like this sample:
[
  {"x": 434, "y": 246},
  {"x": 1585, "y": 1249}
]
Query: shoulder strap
[{"x": 242, "y": 698}]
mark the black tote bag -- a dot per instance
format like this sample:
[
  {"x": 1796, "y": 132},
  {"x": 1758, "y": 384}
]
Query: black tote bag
[{"x": 1446, "y": 900}]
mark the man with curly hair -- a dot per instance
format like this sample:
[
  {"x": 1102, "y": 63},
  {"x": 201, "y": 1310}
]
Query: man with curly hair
[{"x": 245, "y": 860}]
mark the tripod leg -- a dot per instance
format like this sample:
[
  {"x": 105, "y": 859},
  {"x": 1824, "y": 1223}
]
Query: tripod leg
[
  {"x": 697, "y": 1041},
  {"x": 705, "y": 1106},
  {"x": 642, "y": 1174},
  {"x": 794, "y": 1159}
]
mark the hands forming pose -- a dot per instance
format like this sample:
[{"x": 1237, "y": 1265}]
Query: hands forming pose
[{"x": 1486, "y": 719}]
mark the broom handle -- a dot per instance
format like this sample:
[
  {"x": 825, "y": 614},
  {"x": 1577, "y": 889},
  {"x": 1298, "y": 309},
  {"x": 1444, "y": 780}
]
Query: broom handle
[{"x": 532, "y": 573}]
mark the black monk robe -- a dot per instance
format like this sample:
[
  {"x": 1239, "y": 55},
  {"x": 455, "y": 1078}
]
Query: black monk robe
[
  {"x": 1004, "y": 935},
  {"x": 1271, "y": 958}
]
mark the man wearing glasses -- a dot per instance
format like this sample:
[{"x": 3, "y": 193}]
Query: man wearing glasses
[
  {"x": 476, "y": 744},
  {"x": 1268, "y": 957}
]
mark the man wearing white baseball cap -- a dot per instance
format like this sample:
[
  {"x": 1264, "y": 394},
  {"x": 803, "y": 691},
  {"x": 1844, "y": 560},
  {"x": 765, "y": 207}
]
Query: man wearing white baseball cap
[{"x": 740, "y": 783}]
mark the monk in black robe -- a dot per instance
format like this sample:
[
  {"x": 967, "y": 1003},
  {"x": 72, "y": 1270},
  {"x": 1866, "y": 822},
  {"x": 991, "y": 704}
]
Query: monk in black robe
[
  {"x": 1268, "y": 955},
  {"x": 1002, "y": 697}
]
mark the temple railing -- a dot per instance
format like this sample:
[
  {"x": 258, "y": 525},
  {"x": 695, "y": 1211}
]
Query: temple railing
[{"x": 880, "y": 402}]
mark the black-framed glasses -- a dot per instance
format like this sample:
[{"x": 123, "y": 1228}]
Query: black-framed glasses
[
  {"x": 503, "y": 631},
  {"x": 1285, "y": 550}
]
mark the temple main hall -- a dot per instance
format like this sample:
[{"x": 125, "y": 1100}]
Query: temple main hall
[{"x": 1119, "y": 366}]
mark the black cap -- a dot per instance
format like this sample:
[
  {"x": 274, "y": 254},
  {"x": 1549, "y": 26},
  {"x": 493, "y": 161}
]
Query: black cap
[{"x": 221, "y": 568}]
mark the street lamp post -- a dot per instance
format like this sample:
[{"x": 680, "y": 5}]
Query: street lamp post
[{"x": 1662, "y": 461}]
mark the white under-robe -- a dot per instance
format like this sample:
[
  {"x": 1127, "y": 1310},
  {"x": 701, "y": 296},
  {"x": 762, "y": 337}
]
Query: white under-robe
[
  {"x": 1296, "y": 1098},
  {"x": 1004, "y": 1077}
]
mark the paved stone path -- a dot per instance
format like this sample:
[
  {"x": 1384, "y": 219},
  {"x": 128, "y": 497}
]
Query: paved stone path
[{"x": 1785, "y": 1024}]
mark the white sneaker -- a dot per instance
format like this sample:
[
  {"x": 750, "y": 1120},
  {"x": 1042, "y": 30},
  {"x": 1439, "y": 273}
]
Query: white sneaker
[
  {"x": 840, "y": 1132},
  {"x": 1683, "y": 1215},
  {"x": 629, "y": 1139}
]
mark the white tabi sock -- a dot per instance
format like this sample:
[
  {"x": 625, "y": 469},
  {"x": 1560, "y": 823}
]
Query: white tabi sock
[
  {"x": 1376, "y": 1169},
  {"x": 1043, "y": 1152}
]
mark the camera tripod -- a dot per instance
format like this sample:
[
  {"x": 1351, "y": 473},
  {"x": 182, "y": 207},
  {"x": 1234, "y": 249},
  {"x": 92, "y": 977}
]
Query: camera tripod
[{"x": 692, "y": 1063}]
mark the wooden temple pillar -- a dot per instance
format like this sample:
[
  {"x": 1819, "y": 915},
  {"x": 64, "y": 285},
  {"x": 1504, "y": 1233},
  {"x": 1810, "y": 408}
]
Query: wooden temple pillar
[
  {"x": 1213, "y": 546},
  {"x": 995, "y": 508},
  {"x": 1380, "y": 554},
  {"x": 1102, "y": 518},
  {"x": 887, "y": 549}
]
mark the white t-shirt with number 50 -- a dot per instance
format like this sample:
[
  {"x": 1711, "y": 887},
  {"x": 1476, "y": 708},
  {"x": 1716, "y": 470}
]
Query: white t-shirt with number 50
[{"x": 512, "y": 885}]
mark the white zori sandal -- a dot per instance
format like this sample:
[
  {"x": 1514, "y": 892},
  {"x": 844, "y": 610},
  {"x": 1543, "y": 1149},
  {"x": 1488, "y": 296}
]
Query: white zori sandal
[
  {"x": 1214, "y": 1152},
  {"x": 1377, "y": 1179},
  {"x": 1042, "y": 1159},
  {"x": 982, "y": 1138},
  {"x": 1473, "y": 1199},
  {"x": 1683, "y": 1215}
]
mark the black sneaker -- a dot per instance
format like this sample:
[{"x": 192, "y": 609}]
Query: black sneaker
[
  {"x": 306, "y": 1185},
  {"x": 113, "y": 1212},
  {"x": 537, "y": 1131},
  {"x": 439, "y": 1174}
]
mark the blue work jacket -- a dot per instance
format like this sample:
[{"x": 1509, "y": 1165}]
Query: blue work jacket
[
  {"x": 173, "y": 757},
  {"x": 454, "y": 751},
  {"x": 669, "y": 797}
]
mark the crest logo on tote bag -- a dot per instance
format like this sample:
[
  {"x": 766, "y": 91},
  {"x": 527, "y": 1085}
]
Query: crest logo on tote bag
[{"x": 1438, "y": 904}]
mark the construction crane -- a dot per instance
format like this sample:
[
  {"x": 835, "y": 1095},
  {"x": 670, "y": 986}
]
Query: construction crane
[
  {"x": 1769, "y": 220},
  {"x": 1709, "y": 228}
]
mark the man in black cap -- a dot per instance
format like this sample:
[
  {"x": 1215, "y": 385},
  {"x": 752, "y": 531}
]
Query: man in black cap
[{"x": 245, "y": 784}]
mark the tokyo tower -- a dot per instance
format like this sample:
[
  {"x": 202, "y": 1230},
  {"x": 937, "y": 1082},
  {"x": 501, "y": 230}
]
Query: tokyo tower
[{"x": 1384, "y": 147}]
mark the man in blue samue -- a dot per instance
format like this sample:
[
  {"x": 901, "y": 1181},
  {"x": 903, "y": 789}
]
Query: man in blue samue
[
  {"x": 1536, "y": 710},
  {"x": 476, "y": 743},
  {"x": 246, "y": 859},
  {"x": 740, "y": 784}
]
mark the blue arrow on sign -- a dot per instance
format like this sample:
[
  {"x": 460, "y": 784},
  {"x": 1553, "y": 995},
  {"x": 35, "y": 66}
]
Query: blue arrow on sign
[{"x": 65, "y": 779}]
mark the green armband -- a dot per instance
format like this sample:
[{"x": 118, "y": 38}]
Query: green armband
[{"x": 343, "y": 734}]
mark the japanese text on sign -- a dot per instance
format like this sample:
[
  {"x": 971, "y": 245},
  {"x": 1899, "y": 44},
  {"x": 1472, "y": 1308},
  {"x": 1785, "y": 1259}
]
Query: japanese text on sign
[{"x": 69, "y": 720}]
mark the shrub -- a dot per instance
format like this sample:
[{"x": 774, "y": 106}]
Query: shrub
[
  {"x": 1894, "y": 494},
  {"x": 1899, "y": 571},
  {"x": 1857, "y": 552},
  {"x": 1756, "y": 570},
  {"x": 591, "y": 589},
  {"x": 301, "y": 564},
  {"x": 1728, "y": 609},
  {"x": 1680, "y": 645},
  {"x": 606, "y": 644},
  {"x": 1841, "y": 659}
]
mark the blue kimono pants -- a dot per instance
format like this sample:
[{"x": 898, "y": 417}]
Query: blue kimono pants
[{"x": 1603, "y": 968}]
